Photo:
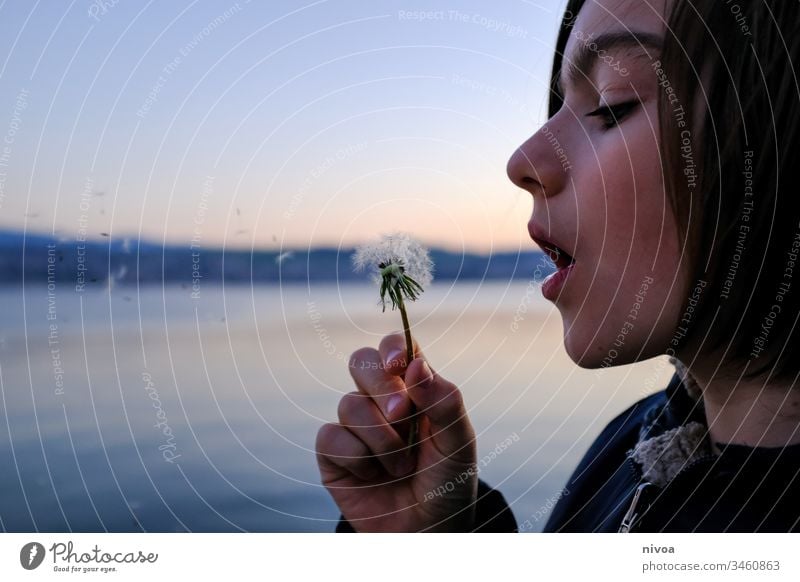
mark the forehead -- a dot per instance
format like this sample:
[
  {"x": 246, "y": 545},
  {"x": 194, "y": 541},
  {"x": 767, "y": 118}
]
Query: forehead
[{"x": 601, "y": 16}]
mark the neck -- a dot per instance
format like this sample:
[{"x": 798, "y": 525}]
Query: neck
[{"x": 755, "y": 413}]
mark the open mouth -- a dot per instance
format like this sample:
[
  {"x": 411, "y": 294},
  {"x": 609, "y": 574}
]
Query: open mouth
[{"x": 561, "y": 258}]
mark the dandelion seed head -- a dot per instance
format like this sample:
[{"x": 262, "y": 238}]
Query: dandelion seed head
[{"x": 395, "y": 248}]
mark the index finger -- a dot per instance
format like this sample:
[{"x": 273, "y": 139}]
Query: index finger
[
  {"x": 394, "y": 353},
  {"x": 387, "y": 390}
]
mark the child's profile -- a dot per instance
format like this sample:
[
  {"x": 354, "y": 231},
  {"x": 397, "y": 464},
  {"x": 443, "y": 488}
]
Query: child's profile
[{"x": 662, "y": 186}]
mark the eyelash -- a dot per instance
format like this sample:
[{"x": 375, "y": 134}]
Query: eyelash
[{"x": 613, "y": 114}]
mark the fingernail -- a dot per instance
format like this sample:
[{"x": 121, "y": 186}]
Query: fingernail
[
  {"x": 393, "y": 402},
  {"x": 427, "y": 374},
  {"x": 393, "y": 355}
]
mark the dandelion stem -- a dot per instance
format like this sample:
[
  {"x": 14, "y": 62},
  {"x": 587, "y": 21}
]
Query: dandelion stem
[
  {"x": 414, "y": 430},
  {"x": 406, "y": 328}
]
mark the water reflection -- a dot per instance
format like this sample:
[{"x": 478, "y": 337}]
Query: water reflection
[{"x": 242, "y": 378}]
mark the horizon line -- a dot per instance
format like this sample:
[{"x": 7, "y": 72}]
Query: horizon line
[{"x": 109, "y": 237}]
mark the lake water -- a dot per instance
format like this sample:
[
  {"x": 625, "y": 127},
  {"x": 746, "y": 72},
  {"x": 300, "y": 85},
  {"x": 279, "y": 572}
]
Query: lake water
[{"x": 130, "y": 409}]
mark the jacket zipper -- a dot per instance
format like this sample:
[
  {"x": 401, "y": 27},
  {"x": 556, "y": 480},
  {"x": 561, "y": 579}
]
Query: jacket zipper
[
  {"x": 634, "y": 511},
  {"x": 632, "y": 514}
]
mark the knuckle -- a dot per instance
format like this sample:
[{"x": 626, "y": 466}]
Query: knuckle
[
  {"x": 334, "y": 442},
  {"x": 354, "y": 453},
  {"x": 381, "y": 441},
  {"x": 348, "y": 404},
  {"x": 326, "y": 437}
]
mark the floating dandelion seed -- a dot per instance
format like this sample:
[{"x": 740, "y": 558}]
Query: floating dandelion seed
[
  {"x": 402, "y": 268},
  {"x": 283, "y": 256}
]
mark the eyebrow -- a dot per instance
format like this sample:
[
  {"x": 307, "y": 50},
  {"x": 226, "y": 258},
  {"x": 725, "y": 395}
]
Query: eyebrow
[{"x": 585, "y": 58}]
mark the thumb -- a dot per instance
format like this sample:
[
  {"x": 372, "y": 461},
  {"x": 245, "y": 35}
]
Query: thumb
[{"x": 443, "y": 404}]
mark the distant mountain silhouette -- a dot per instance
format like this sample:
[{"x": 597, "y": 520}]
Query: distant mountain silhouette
[{"x": 41, "y": 259}]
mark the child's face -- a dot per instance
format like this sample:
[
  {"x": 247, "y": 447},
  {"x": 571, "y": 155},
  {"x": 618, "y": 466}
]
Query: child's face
[{"x": 598, "y": 191}]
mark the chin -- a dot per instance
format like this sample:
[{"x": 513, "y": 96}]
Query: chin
[
  {"x": 580, "y": 352},
  {"x": 592, "y": 355}
]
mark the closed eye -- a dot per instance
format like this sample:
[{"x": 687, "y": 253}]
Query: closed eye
[{"x": 613, "y": 114}]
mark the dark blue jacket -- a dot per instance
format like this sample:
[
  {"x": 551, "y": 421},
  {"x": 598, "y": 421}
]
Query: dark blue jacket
[{"x": 743, "y": 489}]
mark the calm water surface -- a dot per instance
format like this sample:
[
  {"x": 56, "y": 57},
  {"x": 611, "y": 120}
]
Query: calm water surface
[{"x": 150, "y": 409}]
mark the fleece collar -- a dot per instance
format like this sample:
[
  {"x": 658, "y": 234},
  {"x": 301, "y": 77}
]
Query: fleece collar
[
  {"x": 664, "y": 456},
  {"x": 672, "y": 436}
]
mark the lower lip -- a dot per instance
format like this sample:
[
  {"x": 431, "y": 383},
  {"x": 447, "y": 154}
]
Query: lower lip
[{"x": 552, "y": 285}]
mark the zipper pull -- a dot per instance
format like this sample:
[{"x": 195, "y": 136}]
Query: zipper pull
[{"x": 632, "y": 515}]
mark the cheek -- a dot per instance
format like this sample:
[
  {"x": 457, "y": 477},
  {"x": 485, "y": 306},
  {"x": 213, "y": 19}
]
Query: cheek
[
  {"x": 627, "y": 213},
  {"x": 630, "y": 283}
]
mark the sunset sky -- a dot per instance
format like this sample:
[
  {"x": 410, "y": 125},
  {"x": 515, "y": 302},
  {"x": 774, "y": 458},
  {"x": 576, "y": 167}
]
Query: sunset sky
[{"x": 274, "y": 124}]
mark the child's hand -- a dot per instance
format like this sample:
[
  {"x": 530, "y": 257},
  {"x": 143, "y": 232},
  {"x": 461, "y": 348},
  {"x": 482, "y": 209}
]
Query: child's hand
[{"x": 363, "y": 460}]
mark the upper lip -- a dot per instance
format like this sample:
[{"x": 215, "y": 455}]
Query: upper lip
[{"x": 537, "y": 234}]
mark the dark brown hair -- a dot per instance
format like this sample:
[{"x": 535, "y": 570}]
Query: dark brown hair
[{"x": 732, "y": 179}]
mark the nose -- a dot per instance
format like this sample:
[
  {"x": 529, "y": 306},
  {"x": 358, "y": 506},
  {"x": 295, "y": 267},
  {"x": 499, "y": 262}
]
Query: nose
[{"x": 540, "y": 164}]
